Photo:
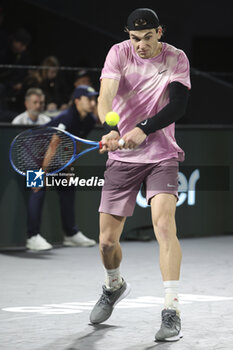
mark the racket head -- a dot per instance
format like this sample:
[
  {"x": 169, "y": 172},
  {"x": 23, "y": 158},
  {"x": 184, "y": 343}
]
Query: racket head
[{"x": 28, "y": 149}]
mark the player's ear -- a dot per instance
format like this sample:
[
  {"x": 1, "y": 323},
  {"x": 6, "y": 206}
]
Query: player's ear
[{"x": 159, "y": 32}]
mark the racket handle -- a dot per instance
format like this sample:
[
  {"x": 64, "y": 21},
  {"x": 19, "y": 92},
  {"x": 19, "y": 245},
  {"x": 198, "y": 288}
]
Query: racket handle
[
  {"x": 100, "y": 145},
  {"x": 121, "y": 142}
]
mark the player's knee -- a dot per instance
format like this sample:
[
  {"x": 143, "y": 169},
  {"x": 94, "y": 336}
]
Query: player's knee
[
  {"x": 165, "y": 229},
  {"x": 106, "y": 246}
]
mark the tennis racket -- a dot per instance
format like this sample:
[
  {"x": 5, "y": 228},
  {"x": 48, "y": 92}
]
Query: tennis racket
[{"x": 47, "y": 148}]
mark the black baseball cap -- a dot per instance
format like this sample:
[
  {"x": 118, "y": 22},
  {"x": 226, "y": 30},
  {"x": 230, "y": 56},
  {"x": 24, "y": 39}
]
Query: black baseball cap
[
  {"x": 84, "y": 90},
  {"x": 142, "y": 18}
]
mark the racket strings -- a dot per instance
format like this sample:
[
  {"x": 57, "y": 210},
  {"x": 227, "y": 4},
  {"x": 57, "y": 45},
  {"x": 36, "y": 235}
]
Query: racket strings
[{"x": 31, "y": 148}]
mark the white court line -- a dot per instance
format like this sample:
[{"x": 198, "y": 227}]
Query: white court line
[{"x": 134, "y": 303}]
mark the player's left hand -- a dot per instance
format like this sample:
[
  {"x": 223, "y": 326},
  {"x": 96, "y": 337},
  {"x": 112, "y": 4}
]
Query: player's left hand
[
  {"x": 110, "y": 142},
  {"x": 134, "y": 138}
]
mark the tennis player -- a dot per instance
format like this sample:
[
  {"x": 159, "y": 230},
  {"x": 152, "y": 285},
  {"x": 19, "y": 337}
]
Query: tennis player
[{"x": 146, "y": 82}]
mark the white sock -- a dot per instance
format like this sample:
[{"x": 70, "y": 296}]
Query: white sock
[
  {"x": 113, "y": 279},
  {"x": 171, "y": 289}
]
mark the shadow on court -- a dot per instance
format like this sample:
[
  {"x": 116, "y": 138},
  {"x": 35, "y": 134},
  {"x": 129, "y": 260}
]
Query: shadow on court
[
  {"x": 148, "y": 346},
  {"x": 23, "y": 253},
  {"x": 90, "y": 341},
  {"x": 86, "y": 341},
  {"x": 46, "y": 255}
]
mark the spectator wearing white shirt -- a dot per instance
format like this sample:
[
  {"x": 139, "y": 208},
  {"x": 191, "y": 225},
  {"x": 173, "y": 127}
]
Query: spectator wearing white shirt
[{"x": 34, "y": 103}]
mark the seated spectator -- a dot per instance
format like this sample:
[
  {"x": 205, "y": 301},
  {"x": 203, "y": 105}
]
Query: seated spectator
[
  {"x": 34, "y": 103},
  {"x": 55, "y": 89},
  {"x": 15, "y": 52}
]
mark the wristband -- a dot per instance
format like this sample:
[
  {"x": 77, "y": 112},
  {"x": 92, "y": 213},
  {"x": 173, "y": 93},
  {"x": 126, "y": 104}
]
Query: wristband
[
  {"x": 110, "y": 128},
  {"x": 146, "y": 126}
]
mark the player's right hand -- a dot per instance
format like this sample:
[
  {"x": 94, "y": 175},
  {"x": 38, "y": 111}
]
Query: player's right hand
[{"x": 110, "y": 142}]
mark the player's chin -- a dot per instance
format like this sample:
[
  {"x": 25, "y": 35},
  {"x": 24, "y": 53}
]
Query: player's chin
[{"x": 143, "y": 54}]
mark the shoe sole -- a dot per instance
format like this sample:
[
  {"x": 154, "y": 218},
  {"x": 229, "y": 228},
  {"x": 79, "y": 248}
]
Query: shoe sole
[
  {"x": 68, "y": 244},
  {"x": 38, "y": 250},
  {"x": 171, "y": 339}
]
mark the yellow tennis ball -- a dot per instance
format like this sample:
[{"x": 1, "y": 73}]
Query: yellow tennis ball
[{"x": 112, "y": 118}]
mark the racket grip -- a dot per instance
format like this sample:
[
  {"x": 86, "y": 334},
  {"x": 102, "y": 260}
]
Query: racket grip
[
  {"x": 100, "y": 145},
  {"x": 121, "y": 142}
]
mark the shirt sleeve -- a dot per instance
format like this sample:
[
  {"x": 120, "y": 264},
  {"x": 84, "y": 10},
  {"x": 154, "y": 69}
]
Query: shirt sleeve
[
  {"x": 20, "y": 120},
  {"x": 112, "y": 68},
  {"x": 181, "y": 72},
  {"x": 15, "y": 121}
]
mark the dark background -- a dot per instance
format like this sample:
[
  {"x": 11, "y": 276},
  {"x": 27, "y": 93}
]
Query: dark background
[
  {"x": 83, "y": 31},
  {"x": 80, "y": 33}
]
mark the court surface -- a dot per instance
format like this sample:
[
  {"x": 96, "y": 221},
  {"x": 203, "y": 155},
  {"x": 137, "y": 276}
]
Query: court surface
[{"x": 46, "y": 298}]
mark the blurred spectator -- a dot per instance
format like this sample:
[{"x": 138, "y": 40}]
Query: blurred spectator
[
  {"x": 34, "y": 103},
  {"x": 55, "y": 89},
  {"x": 32, "y": 80},
  {"x": 52, "y": 111},
  {"x": 82, "y": 77},
  {"x": 15, "y": 52}
]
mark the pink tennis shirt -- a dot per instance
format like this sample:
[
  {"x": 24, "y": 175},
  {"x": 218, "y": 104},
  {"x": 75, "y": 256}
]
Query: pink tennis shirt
[{"x": 142, "y": 93}]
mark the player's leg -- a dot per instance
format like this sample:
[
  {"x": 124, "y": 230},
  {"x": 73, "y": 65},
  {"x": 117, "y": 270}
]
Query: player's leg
[
  {"x": 111, "y": 227},
  {"x": 121, "y": 186},
  {"x": 163, "y": 208},
  {"x": 114, "y": 288},
  {"x": 162, "y": 194}
]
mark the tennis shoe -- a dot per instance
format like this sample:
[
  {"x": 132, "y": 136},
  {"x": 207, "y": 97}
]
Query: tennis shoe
[
  {"x": 78, "y": 240},
  {"x": 170, "y": 329},
  {"x": 38, "y": 243},
  {"x": 108, "y": 300}
]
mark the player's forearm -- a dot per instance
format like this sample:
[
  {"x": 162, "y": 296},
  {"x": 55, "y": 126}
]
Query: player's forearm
[
  {"x": 104, "y": 106},
  {"x": 108, "y": 90}
]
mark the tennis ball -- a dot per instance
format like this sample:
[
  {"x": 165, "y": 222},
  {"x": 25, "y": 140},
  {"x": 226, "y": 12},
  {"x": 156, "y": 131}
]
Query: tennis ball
[{"x": 112, "y": 118}]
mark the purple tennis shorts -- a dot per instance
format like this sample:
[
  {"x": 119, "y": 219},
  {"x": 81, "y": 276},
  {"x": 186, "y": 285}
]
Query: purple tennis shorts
[{"x": 122, "y": 182}]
